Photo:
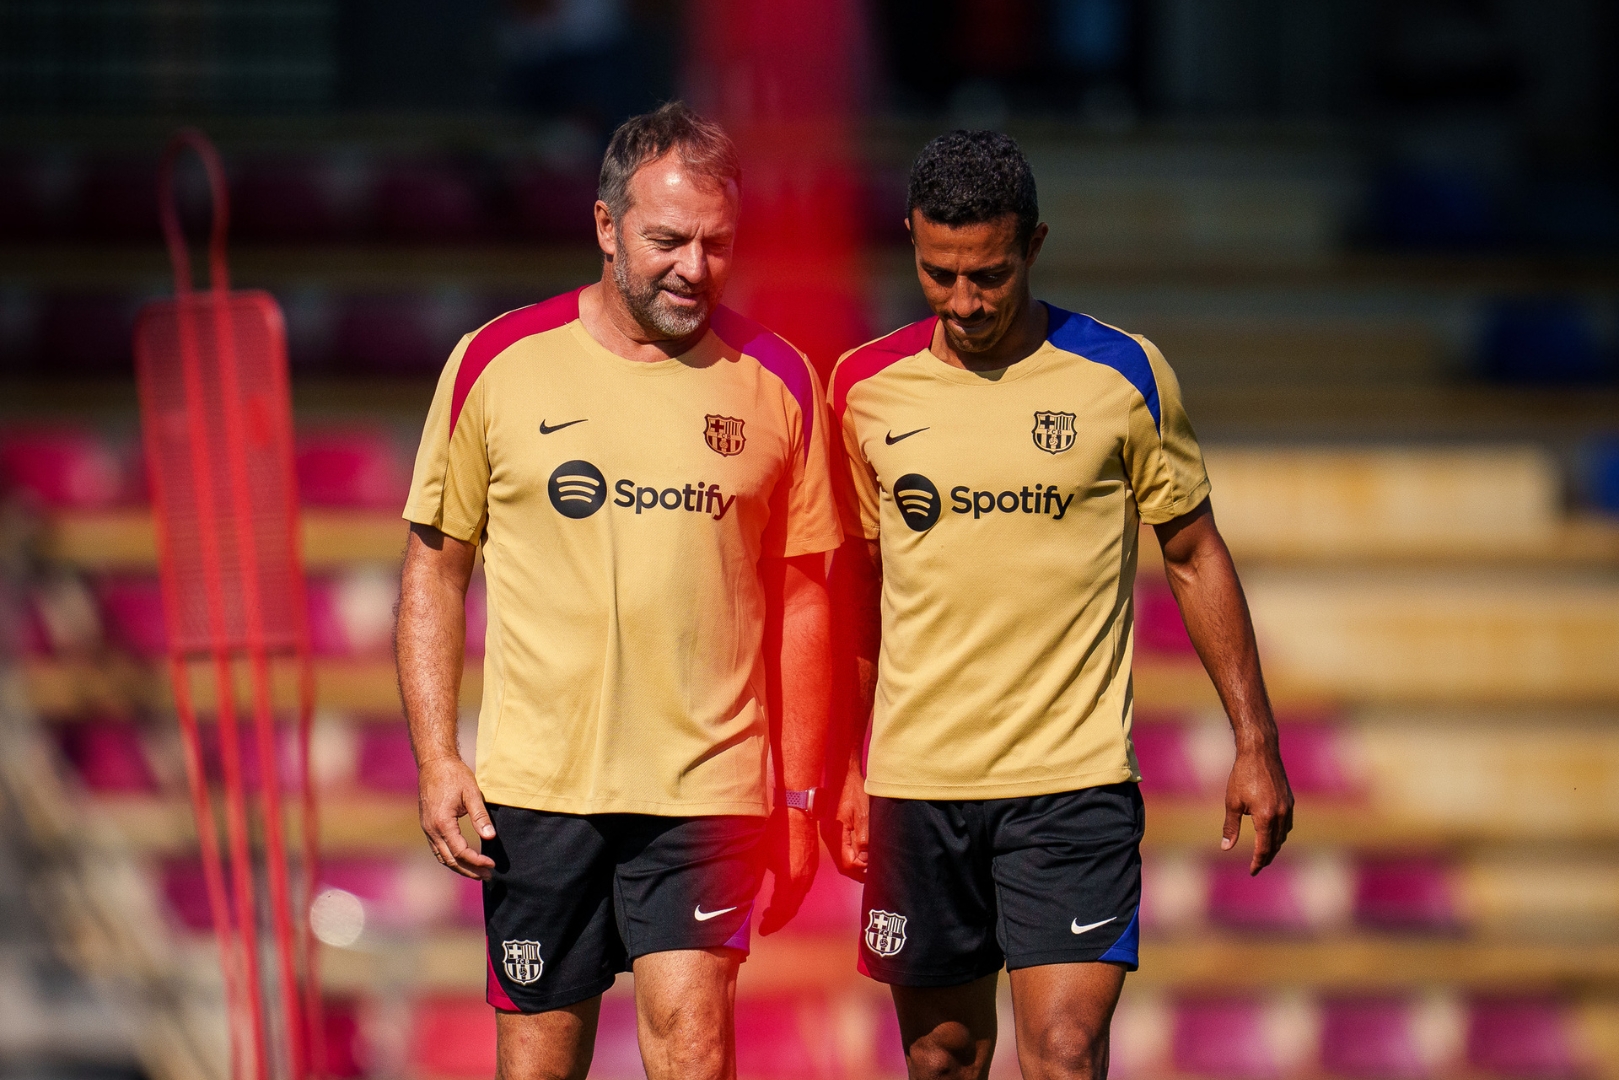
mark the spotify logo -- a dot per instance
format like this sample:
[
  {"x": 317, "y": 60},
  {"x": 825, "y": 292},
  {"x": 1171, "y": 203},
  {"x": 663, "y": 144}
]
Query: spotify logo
[
  {"x": 578, "y": 489},
  {"x": 918, "y": 501}
]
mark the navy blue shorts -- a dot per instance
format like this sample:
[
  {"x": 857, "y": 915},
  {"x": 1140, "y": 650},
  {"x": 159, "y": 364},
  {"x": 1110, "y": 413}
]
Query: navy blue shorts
[
  {"x": 956, "y": 889},
  {"x": 575, "y": 899}
]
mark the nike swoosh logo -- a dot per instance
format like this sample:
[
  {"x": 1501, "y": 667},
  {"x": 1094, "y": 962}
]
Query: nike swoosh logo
[
  {"x": 703, "y": 916},
  {"x": 1074, "y": 926},
  {"x": 547, "y": 430},
  {"x": 891, "y": 438}
]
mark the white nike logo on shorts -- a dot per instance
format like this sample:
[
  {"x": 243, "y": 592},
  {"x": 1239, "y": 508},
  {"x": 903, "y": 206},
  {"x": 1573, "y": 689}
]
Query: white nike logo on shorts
[
  {"x": 703, "y": 916},
  {"x": 1074, "y": 926}
]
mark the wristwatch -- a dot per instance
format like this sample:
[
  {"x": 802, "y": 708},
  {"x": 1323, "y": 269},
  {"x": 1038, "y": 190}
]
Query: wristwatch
[{"x": 803, "y": 800}]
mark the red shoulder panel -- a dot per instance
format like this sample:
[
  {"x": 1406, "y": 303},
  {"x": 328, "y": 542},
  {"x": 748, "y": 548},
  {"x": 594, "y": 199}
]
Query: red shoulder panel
[
  {"x": 868, "y": 360},
  {"x": 502, "y": 334}
]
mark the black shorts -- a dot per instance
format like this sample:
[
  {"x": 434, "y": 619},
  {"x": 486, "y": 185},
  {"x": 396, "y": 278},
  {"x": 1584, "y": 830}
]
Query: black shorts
[
  {"x": 575, "y": 898},
  {"x": 955, "y": 889}
]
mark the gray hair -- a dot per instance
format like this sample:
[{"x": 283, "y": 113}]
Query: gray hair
[{"x": 704, "y": 148}]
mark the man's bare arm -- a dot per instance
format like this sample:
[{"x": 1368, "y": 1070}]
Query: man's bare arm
[
  {"x": 857, "y": 586},
  {"x": 429, "y": 646},
  {"x": 1204, "y": 581},
  {"x": 797, "y": 662}
]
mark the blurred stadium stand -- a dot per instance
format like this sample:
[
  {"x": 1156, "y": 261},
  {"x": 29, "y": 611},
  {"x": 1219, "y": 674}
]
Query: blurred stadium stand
[{"x": 1380, "y": 244}]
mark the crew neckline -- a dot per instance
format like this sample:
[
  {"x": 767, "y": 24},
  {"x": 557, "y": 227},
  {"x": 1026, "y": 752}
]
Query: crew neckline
[
  {"x": 1012, "y": 372},
  {"x": 694, "y": 357}
]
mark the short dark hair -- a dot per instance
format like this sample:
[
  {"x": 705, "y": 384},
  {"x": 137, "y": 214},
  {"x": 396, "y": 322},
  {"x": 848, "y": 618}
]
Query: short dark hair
[
  {"x": 968, "y": 177},
  {"x": 703, "y": 145}
]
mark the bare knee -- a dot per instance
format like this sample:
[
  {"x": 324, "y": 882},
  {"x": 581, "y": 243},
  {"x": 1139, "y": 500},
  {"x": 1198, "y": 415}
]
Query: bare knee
[
  {"x": 1065, "y": 1051},
  {"x": 691, "y": 1040},
  {"x": 546, "y": 1046},
  {"x": 949, "y": 1051}
]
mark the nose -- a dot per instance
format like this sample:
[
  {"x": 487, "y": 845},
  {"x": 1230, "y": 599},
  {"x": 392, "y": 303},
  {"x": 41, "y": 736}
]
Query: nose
[
  {"x": 964, "y": 298},
  {"x": 691, "y": 263}
]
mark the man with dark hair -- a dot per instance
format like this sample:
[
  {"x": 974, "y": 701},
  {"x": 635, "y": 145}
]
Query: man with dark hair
[
  {"x": 646, "y": 474},
  {"x": 998, "y": 460}
]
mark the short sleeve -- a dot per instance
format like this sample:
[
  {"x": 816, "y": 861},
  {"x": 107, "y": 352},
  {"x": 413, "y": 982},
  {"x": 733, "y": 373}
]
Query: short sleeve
[
  {"x": 858, "y": 494},
  {"x": 803, "y": 514},
  {"x": 1162, "y": 457},
  {"x": 449, "y": 486}
]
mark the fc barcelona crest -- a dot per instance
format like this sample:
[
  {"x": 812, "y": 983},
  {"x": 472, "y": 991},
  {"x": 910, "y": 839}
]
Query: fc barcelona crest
[
  {"x": 724, "y": 434},
  {"x": 522, "y": 961},
  {"x": 1053, "y": 431},
  {"x": 885, "y": 932}
]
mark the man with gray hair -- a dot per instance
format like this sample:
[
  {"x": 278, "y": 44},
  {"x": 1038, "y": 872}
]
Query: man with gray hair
[{"x": 646, "y": 474}]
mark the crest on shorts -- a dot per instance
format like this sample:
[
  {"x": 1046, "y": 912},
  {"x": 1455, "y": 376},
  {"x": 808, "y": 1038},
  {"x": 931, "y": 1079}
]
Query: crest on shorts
[
  {"x": 1053, "y": 431},
  {"x": 885, "y": 932},
  {"x": 522, "y": 961},
  {"x": 724, "y": 434}
]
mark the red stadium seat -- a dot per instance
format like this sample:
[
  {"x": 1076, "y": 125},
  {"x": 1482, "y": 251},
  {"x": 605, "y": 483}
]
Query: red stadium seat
[
  {"x": 397, "y": 333},
  {"x": 1317, "y": 761},
  {"x": 351, "y": 615},
  {"x": 1370, "y": 1038},
  {"x": 299, "y": 199},
  {"x": 1270, "y": 901},
  {"x": 1528, "y": 1039},
  {"x": 66, "y": 468},
  {"x": 1223, "y": 1038},
  {"x": 87, "y": 333},
  {"x": 432, "y": 202},
  {"x": 347, "y": 1054},
  {"x": 286, "y": 750},
  {"x": 554, "y": 206},
  {"x": 785, "y": 1038},
  {"x": 384, "y": 760},
  {"x": 618, "y": 1054},
  {"x": 452, "y": 1037},
  {"x": 118, "y": 202},
  {"x": 186, "y": 893},
  {"x": 132, "y": 611},
  {"x": 1159, "y": 628},
  {"x": 1408, "y": 893},
  {"x": 1167, "y": 764},
  {"x": 108, "y": 756},
  {"x": 353, "y": 468}
]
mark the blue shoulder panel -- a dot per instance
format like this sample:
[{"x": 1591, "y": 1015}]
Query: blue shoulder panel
[
  {"x": 1084, "y": 336},
  {"x": 1127, "y": 949}
]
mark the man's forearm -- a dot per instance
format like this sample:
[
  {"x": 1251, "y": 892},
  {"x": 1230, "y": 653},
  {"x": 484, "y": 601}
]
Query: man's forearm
[
  {"x": 806, "y": 687},
  {"x": 856, "y": 591},
  {"x": 1204, "y": 580},
  {"x": 430, "y": 643}
]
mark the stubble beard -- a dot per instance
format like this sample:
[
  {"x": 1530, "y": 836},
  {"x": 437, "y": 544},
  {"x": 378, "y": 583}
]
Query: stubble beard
[{"x": 647, "y": 303}]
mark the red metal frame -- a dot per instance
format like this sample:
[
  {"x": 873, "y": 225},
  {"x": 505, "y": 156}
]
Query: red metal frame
[{"x": 217, "y": 428}]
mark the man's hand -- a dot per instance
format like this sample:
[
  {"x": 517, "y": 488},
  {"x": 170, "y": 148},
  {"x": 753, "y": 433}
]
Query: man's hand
[
  {"x": 849, "y": 832},
  {"x": 794, "y": 854},
  {"x": 448, "y": 792},
  {"x": 1258, "y": 788}
]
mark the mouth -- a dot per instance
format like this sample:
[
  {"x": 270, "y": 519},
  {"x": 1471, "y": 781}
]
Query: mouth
[
  {"x": 682, "y": 297},
  {"x": 970, "y": 327}
]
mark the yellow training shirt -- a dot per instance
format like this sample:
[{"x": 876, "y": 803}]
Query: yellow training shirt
[
  {"x": 1007, "y": 505},
  {"x": 622, "y": 509}
]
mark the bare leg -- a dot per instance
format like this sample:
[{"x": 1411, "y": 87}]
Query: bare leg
[
  {"x": 555, "y": 1045},
  {"x": 948, "y": 1031},
  {"x": 1063, "y": 1012},
  {"x": 685, "y": 1002}
]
